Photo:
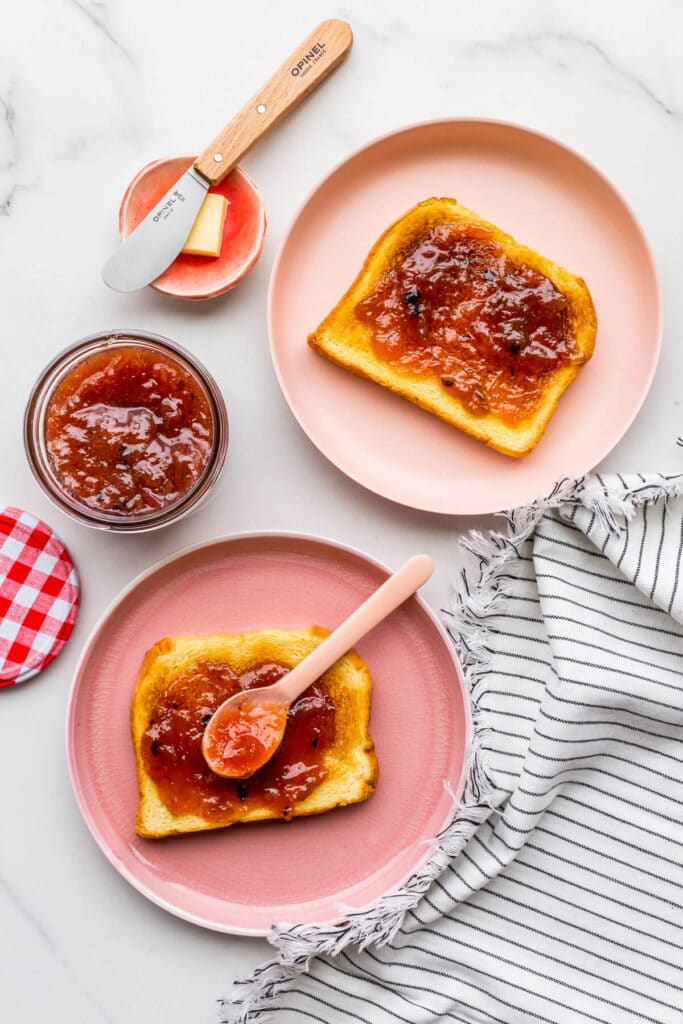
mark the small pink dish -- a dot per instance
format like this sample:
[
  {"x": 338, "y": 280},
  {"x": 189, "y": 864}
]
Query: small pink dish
[
  {"x": 201, "y": 277},
  {"x": 231, "y": 879}
]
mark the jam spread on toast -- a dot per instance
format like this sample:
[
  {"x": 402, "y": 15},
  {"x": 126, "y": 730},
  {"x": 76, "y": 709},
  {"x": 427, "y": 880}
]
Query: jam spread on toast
[
  {"x": 129, "y": 431},
  {"x": 456, "y": 307},
  {"x": 172, "y": 755}
]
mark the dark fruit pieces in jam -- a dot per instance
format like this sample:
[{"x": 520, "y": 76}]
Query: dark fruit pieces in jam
[
  {"x": 129, "y": 431},
  {"x": 172, "y": 754},
  {"x": 456, "y": 307}
]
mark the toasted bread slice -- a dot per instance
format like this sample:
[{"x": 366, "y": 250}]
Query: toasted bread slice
[
  {"x": 347, "y": 340},
  {"x": 349, "y": 760}
]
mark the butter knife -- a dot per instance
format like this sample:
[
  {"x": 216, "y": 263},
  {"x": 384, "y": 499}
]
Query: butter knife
[{"x": 158, "y": 239}]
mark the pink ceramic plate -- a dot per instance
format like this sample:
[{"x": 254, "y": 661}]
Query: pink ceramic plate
[
  {"x": 245, "y": 878},
  {"x": 549, "y": 198}
]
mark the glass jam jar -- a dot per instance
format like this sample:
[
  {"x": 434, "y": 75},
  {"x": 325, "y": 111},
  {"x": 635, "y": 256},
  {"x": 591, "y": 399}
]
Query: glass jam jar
[{"x": 126, "y": 431}]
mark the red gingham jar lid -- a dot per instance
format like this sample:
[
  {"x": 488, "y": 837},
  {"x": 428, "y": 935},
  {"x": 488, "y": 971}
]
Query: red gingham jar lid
[{"x": 39, "y": 595}]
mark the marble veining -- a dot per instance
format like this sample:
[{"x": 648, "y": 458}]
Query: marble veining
[
  {"x": 569, "y": 45},
  {"x": 12, "y": 897},
  {"x": 90, "y": 90},
  {"x": 9, "y": 148},
  {"x": 96, "y": 14},
  {"x": 9, "y": 116}
]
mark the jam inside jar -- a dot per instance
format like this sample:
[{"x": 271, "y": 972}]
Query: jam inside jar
[
  {"x": 172, "y": 744},
  {"x": 456, "y": 307},
  {"x": 129, "y": 430}
]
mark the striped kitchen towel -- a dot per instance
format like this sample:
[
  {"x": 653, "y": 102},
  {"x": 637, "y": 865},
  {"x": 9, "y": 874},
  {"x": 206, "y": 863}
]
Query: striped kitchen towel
[{"x": 556, "y": 895}]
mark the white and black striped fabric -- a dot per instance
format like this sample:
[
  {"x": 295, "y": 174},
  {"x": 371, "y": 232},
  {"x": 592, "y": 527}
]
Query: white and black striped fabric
[{"x": 565, "y": 904}]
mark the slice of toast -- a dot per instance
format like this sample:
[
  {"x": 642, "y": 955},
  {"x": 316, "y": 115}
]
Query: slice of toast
[
  {"x": 348, "y": 340},
  {"x": 349, "y": 761}
]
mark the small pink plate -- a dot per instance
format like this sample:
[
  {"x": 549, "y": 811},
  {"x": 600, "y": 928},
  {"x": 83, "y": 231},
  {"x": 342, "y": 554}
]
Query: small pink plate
[
  {"x": 245, "y": 878},
  {"x": 545, "y": 195}
]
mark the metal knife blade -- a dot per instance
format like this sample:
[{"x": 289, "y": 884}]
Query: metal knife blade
[{"x": 157, "y": 239}]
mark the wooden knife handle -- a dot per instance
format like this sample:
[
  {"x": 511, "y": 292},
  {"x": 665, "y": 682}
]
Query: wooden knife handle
[{"x": 302, "y": 71}]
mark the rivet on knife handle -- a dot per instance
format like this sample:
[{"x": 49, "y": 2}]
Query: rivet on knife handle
[{"x": 302, "y": 71}]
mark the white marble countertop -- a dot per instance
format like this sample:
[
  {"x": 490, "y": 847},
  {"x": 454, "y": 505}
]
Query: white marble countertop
[{"x": 89, "y": 91}]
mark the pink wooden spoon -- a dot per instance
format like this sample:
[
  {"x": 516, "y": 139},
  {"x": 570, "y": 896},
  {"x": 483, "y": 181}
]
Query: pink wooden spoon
[{"x": 246, "y": 730}]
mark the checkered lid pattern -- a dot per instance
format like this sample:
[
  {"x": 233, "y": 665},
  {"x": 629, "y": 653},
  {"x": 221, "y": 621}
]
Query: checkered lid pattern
[{"x": 39, "y": 595}]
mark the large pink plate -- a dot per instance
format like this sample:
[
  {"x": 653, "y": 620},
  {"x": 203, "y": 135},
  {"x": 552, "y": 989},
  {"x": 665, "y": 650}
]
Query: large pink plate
[
  {"x": 549, "y": 198},
  {"x": 245, "y": 878}
]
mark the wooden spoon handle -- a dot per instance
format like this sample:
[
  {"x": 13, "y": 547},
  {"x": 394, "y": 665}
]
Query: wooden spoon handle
[
  {"x": 393, "y": 592},
  {"x": 302, "y": 71}
]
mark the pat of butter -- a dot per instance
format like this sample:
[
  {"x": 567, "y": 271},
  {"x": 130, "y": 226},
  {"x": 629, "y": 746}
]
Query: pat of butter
[{"x": 206, "y": 236}]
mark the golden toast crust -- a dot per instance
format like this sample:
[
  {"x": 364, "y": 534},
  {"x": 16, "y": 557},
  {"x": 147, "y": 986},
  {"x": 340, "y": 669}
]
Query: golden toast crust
[
  {"x": 345, "y": 340},
  {"x": 351, "y": 764}
]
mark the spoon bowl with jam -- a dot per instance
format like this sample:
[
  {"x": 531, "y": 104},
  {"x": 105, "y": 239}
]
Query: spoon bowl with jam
[{"x": 246, "y": 730}]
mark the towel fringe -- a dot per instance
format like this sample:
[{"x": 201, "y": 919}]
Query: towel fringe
[
  {"x": 377, "y": 925},
  {"x": 479, "y": 595},
  {"x": 483, "y": 588},
  {"x": 297, "y": 945}
]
